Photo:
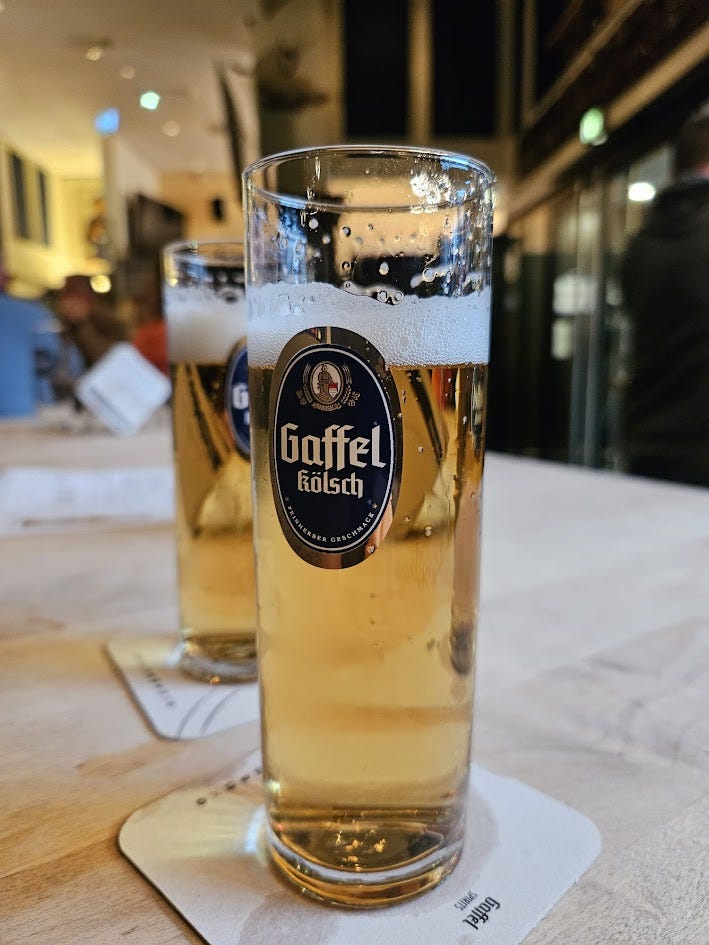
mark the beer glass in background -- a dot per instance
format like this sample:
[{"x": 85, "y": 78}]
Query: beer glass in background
[
  {"x": 368, "y": 293},
  {"x": 203, "y": 296}
]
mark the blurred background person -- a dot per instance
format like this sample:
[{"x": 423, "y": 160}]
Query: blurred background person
[
  {"x": 666, "y": 288},
  {"x": 150, "y": 333},
  {"x": 22, "y": 324},
  {"x": 87, "y": 320}
]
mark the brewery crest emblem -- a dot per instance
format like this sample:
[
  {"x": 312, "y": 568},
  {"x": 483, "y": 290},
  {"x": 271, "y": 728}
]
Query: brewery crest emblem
[{"x": 327, "y": 386}]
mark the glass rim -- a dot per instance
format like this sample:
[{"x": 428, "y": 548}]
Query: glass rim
[
  {"x": 189, "y": 249},
  {"x": 457, "y": 159}
]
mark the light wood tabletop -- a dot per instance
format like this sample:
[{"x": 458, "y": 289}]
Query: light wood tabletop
[{"x": 593, "y": 686}]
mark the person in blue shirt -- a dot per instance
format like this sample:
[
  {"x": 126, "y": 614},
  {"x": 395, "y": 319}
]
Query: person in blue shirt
[{"x": 30, "y": 347}]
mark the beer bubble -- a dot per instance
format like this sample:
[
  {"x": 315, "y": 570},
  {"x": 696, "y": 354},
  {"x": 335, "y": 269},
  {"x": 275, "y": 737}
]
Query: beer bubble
[
  {"x": 313, "y": 223},
  {"x": 326, "y": 238},
  {"x": 346, "y": 231},
  {"x": 383, "y": 268},
  {"x": 428, "y": 531}
]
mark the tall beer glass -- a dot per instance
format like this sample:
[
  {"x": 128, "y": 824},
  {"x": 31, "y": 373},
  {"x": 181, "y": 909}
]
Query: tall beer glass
[
  {"x": 368, "y": 295},
  {"x": 203, "y": 294}
]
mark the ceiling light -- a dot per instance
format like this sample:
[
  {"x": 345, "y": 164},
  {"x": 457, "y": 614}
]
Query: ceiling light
[
  {"x": 641, "y": 191},
  {"x": 127, "y": 72},
  {"x": 95, "y": 52},
  {"x": 171, "y": 129},
  {"x": 149, "y": 100},
  {"x": 101, "y": 283},
  {"x": 108, "y": 121}
]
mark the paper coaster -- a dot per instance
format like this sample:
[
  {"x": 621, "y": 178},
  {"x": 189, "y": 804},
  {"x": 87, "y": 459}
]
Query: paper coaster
[
  {"x": 175, "y": 705},
  {"x": 203, "y": 848}
]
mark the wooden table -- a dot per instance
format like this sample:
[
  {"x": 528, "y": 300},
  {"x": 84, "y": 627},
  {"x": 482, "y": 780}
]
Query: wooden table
[{"x": 593, "y": 687}]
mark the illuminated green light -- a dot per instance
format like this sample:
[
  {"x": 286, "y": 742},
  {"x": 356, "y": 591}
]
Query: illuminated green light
[
  {"x": 592, "y": 127},
  {"x": 149, "y": 100}
]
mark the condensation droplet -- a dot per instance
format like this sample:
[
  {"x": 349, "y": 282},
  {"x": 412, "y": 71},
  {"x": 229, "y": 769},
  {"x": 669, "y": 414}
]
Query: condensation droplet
[
  {"x": 420, "y": 449},
  {"x": 370, "y": 226},
  {"x": 428, "y": 274},
  {"x": 313, "y": 223},
  {"x": 398, "y": 296},
  {"x": 358, "y": 241},
  {"x": 346, "y": 231},
  {"x": 345, "y": 265},
  {"x": 371, "y": 549},
  {"x": 382, "y": 296},
  {"x": 428, "y": 531},
  {"x": 465, "y": 420},
  {"x": 383, "y": 268},
  {"x": 407, "y": 519},
  {"x": 326, "y": 238},
  {"x": 403, "y": 396}
]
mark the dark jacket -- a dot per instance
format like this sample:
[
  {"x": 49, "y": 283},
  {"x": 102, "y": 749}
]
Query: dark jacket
[{"x": 666, "y": 286}]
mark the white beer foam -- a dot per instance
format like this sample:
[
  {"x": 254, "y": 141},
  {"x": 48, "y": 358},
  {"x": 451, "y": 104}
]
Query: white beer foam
[
  {"x": 201, "y": 325},
  {"x": 415, "y": 331}
]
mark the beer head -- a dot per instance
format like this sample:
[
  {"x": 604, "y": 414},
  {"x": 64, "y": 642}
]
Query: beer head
[
  {"x": 414, "y": 331},
  {"x": 203, "y": 299}
]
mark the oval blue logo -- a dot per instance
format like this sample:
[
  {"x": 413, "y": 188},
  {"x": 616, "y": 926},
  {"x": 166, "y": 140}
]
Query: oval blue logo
[
  {"x": 335, "y": 459},
  {"x": 236, "y": 394}
]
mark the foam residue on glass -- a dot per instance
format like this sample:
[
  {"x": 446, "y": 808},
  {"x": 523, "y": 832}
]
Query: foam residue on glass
[{"x": 422, "y": 331}]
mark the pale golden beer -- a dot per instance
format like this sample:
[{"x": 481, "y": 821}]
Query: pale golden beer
[
  {"x": 368, "y": 688},
  {"x": 204, "y": 304},
  {"x": 368, "y": 298}
]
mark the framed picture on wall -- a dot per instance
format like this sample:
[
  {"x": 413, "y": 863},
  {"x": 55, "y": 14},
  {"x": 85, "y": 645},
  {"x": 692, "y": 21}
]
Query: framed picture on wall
[{"x": 29, "y": 186}]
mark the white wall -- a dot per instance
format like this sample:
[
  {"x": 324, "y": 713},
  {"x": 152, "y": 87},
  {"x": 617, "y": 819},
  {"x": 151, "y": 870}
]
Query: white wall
[
  {"x": 126, "y": 173},
  {"x": 34, "y": 265}
]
